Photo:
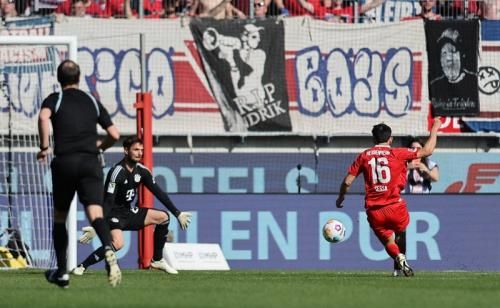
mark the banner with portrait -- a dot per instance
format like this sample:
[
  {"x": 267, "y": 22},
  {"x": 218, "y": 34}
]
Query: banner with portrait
[
  {"x": 452, "y": 50},
  {"x": 245, "y": 66}
]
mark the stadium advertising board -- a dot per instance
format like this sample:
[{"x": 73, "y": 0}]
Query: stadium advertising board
[
  {"x": 268, "y": 173},
  {"x": 284, "y": 232},
  {"x": 277, "y": 173}
]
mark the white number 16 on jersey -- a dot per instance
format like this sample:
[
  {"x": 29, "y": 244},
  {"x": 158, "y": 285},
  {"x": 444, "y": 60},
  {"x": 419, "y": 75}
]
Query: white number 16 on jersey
[{"x": 380, "y": 170}]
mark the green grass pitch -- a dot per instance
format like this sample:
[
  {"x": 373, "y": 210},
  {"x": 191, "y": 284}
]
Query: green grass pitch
[{"x": 237, "y": 288}]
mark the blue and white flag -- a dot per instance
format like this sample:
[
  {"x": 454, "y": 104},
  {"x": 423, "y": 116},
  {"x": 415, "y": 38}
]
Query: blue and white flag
[{"x": 488, "y": 80}]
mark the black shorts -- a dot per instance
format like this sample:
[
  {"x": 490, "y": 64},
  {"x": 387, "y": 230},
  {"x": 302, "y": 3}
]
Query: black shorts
[
  {"x": 79, "y": 173},
  {"x": 127, "y": 219}
]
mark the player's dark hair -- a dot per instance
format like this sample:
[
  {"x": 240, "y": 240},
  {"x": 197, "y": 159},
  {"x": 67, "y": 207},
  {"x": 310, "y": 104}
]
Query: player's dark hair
[
  {"x": 68, "y": 73},
  {"x": 129, "y": 141},
  {"x": 416, "y": 139},
  {"x": 420, "y": 141},
  {"x": 381, "y": 133}
]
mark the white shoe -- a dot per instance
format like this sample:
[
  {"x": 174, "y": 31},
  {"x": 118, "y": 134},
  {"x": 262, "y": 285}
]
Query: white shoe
[
  {"x": 114, "y": 273},
  {"x": 163, "y": 266},
  {"x": 403, "y": 265},
  {"x": 79, "y": 270}
]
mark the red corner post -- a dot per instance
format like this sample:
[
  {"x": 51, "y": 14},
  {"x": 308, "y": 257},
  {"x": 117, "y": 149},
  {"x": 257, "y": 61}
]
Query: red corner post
[{"x": 144, "y": 106}]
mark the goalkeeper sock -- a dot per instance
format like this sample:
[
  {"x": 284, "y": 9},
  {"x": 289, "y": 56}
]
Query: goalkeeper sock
[
  {"x": 95, "y": 257},
  {"x": 392, "y": 250},
  {"x": 60, "y": 237},
  {"x": 160, "y": 237},
  {"x": 102, "y": 230}
]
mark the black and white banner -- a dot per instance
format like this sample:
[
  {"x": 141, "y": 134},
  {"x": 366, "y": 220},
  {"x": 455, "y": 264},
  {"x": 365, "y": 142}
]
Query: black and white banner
[
  {"x": 245, "y": 66},
  {"x": 452, "y": 48}
]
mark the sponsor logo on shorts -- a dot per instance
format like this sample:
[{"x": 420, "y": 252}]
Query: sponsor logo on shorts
[{"x": 115, "y": 220}]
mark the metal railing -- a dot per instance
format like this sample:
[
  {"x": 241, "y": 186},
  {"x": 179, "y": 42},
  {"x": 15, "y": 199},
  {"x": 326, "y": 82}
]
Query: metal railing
[{"x": 329, "y": 10}]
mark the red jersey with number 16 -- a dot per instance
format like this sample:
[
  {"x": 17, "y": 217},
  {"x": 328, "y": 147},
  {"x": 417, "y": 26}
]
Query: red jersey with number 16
[{"x": 382, "y": 168}]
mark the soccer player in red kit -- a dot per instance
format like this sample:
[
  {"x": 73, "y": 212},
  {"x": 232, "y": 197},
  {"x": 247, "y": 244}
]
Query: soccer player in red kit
[{"x": 383, "y": 169}]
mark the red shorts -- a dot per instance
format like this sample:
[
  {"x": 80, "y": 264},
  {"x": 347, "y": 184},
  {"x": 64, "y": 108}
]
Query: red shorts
[{"x": 387, "y": 220}]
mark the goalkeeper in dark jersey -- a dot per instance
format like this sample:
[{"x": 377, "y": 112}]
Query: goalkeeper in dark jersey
[{"x": 122, "y": 214}]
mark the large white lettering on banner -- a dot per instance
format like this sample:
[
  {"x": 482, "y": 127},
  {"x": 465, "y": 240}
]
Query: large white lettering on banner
[
  {"x": 347, "y": 77},
  {"x": 335, "y": 75}
]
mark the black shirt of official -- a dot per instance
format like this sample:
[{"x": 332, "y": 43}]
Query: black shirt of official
[
  {"x": 121, "y": 188},
  {"x": 74, "y": 117}
]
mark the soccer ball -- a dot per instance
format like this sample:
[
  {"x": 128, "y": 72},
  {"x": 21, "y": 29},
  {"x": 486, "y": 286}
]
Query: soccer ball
[{"x": 334, "y": 231}]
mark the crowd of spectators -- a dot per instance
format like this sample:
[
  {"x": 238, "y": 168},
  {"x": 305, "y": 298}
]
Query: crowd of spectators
[{"x": 342, "y": 11}]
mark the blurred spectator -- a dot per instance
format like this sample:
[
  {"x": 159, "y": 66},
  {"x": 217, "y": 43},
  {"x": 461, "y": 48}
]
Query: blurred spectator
[
  {"x": 340, "y": 11},
  {"x": 8, "y": 9},
  {"x": 234, "y": 12},
  {"x": 428, "y": 11},
  {"x": 65, "y": 8},
  {"x": 343, "y": 11},
  {"x": 490, "y": 9},
  {"x": 152, "y": 8},
  {"x": 421, "y": 172},
  {"x": 260, "y": 8},
  {"x": 79, "y": 9},
  {"x": 92, "y": 8},
  {"x": 314, "y": 7},
  {"x": 456, "y": 8},
  {"x": 300, "y": 7},
  {"x": 219, "y": 9},
  {"x": 171, "y": 7},
  {"x": 24, "y": 7},
  {"x": 244, "y": 6},
  {"x": 213, "y": 8},
  {"x": 188, "y": 7}
]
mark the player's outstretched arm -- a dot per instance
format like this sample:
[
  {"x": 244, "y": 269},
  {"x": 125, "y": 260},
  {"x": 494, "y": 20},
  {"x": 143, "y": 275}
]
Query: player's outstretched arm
[
  {"x": 184, "y": 218},
  {"x": 430, "y": 145},
  {"x": 344, "y": 188}
]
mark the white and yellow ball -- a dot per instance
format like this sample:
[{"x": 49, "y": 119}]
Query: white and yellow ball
[{"x": 334, "y": 231}]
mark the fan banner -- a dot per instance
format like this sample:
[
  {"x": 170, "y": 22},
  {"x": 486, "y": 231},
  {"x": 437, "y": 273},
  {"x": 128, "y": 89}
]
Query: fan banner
[
  {"x": 334, "y": 75},
  {"x": 452, "y": 49},
  {"x": 245, "y": 65},
  {"x": 392, "y": 10},
  {"x": 488, "y": 80}
]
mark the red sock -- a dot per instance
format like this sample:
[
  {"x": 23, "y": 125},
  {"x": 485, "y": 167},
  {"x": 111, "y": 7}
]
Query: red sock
[{"x": 392, "y": 250}]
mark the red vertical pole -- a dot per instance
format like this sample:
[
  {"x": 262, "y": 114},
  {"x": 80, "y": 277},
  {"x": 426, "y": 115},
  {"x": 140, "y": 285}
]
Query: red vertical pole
[{"x": 144, "y": 106}]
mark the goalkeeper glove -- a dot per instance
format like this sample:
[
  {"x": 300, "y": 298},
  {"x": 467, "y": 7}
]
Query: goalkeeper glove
[
  {"x": 184, "y": 219},
  {"x": 88, "y": 235}
]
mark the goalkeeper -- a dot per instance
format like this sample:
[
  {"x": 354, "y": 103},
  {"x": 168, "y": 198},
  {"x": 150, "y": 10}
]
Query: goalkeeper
[{"x": 121, "y": 214}]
